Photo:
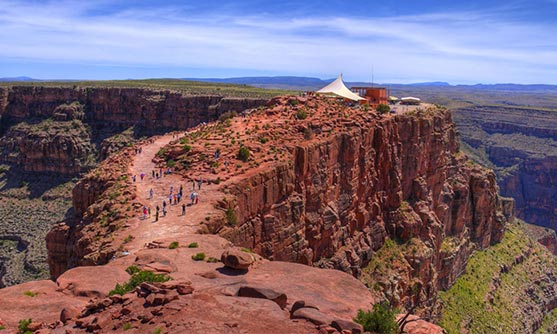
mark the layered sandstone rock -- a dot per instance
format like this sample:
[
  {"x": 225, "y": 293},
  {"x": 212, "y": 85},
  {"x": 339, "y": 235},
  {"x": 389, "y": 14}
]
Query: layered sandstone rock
[
  {"x": 56, "y": 139},
  {"x": 365, "y": 179},
  {"x": 520, "y": 144}
]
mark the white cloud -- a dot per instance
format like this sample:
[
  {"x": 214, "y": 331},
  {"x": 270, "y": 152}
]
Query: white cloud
[{"x": 459, "y": 47}]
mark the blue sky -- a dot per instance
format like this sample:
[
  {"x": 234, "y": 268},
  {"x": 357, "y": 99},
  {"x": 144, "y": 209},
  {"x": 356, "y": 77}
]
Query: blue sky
[{"x": 403, "y": 41}]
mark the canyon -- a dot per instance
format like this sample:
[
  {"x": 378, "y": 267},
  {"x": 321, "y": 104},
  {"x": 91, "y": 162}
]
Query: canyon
[
  {"x": 388, "y": 199},
  {"x": 49, "y": 136},
  {"x": 403, "y": 179},
  {"x": 519, "y": 144}
]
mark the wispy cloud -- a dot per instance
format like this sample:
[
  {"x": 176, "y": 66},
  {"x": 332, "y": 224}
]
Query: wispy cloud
[{"x": 457, "y": 46}]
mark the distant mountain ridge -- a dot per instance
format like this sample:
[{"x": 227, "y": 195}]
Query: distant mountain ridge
[
  {"x": 311, "y": 83},
  {"x": 14, "y": 79}
]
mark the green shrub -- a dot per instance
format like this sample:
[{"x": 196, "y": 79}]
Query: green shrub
[
  {"x": 243, "y": 154},
  {"x": 132, "y": 270},
  {"x": 263, "y": 140},
  {"x": 231, "y": 217},
  {"x": 227, "y": 115},
  {"x": 2, "y": 327},
  {"x": 127, "y": 326},
  {"x": 30, "y": 293},
  {"x": 301, "y": 114},
  {"x": 212, "y": 260},
  {"x": 23, "y": 326},
  {"x": 193, "y": 245},
  {"x": 157, "y": 330},
  {"x": 187, "y": 148},
  {"x": 128, "y": 238},
  {"x": 383, "y": 108},
  {"x": 380, "y": 320},
  {"x": 171, "y": 163},
  {"x": 137, "y": 279},
  {"x": 246, "y": 250},
  {"x": 198, "y": 257},
  {"x": 173, "y": 245}
]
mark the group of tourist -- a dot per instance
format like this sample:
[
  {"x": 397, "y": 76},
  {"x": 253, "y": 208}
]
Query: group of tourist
[{"x": 173, "y": 197}]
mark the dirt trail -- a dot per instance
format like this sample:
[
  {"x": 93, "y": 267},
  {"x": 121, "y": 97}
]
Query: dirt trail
[{"x": 174, "y": 225}]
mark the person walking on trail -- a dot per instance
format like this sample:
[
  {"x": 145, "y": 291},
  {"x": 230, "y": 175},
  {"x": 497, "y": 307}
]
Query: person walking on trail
[
  {"x": 184, "y": 209},
  {"x": 192, "y": 197},
  {"x": 164, "y": 212},
  {"x": 199, "y": 183},
  {"x": 193, "y": 184},
  {"x": 149, "y": 211},
  {"x": 133, "y": 178},
  {"x": 171, "y": 189},
  {"x": 153, "y": 173},
  {"x": 151, "y": 193},
  {"x": 179, "y": 197},
  {"x": 170, "y": 199},
  {"x": 157, "y": 214},
  {"x": 142, "y": 175},
  {"x": 196, "y": 198},
  {"x": 180, "y": 192},
  {"x": 164, "y": 204},
  {"x": 144, "y": 212}
]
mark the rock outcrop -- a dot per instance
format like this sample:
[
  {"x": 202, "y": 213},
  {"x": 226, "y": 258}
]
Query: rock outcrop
[
  {"x": 45, "y": 127},
  {"x": 333, "y": 200}
]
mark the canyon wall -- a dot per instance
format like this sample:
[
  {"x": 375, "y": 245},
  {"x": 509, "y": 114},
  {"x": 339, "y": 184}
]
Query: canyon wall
[
  {"x": 520, "y": 144},
  {"x": 337, "y": 200},
  {"x": 50, "y": 129},
  {"x": 334, "y": 199}
]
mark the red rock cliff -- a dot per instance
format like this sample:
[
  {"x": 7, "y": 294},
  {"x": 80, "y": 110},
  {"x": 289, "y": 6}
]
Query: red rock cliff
[
  {"x": 338, "y": 198},
  {"x": 51, "y": 129}
]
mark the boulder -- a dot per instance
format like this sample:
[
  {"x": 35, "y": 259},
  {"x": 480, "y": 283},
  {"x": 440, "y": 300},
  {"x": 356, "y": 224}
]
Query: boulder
[
  {"x": 69, "y": 313},
  {"x": 300, "y": 304},
  {"x": 264, "y": 293},
  {"x": 346, "y": 325},
  {"x": 236, "y": 259},
  {"x": 313, "y": 315}
]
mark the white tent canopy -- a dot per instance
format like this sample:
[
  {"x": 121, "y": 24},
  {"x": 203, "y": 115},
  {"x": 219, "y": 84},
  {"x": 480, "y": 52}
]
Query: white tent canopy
[{"x": 338, "y": 88}]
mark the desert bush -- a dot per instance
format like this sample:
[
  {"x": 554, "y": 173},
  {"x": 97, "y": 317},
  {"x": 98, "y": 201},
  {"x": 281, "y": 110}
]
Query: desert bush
[
  {"x": 173, "y": 245},
  {"x": 193, "y": 245},
  {"x": 23, "y": 326},
  {"x": 198, "y": 257},
  {"x": 383, "y": 108},
  {"x": 380, "y": 320},
  {"x": 301, "y": 114},
  {"x": 243, "y": 154},
  {"x": 132, "y": 270},
  {"x": 137, "y": 279},
  {"x": 231, "y": 217},
  {"x": 30, "y": 293}
]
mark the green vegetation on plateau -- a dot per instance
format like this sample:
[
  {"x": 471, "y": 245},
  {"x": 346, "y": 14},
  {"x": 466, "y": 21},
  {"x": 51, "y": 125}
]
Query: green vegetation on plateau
[{"x": 183, "y": 86}]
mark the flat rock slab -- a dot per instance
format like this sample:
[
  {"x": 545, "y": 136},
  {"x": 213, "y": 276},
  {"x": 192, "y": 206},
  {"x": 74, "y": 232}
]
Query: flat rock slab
[
  {"x": 263, "y": 293},
  {"x": 46, "y": 305},
  {"x": 347, "y": 325},
  {"x": 420, "y": 326},
  {"x": 313, "y": 315},
  {"x": 92, "y": 281}
]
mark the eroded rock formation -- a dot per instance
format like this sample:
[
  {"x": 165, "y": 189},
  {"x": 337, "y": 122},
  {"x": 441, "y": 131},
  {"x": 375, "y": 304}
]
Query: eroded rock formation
[
  {"x": 50, "y": 129},
  {"x": 520, "y": 145}
]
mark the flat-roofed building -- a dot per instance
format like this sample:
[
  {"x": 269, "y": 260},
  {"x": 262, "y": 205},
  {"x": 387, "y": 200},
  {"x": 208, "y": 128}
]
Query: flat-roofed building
[{"x": 374, "y": 95}]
